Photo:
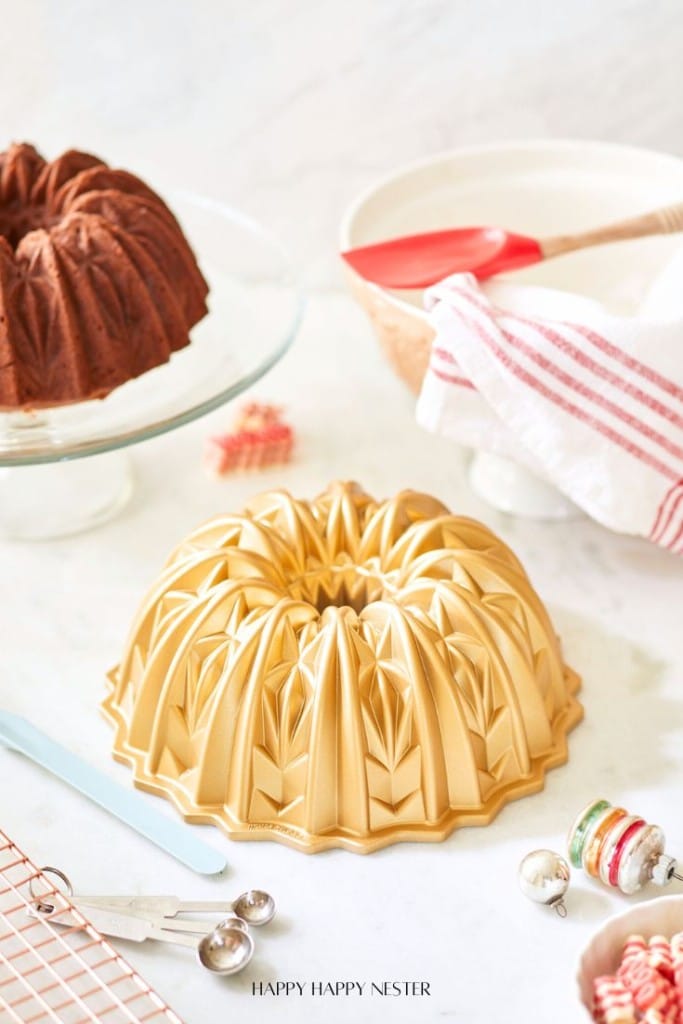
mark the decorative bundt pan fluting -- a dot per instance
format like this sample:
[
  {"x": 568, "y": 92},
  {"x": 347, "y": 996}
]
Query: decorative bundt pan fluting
[{"x": 342, "y": 672}]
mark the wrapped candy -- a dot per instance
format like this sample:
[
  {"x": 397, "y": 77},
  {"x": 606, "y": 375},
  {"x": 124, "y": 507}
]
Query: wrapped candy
[
  {"x": 650, "y": 989},
  {"x": 612, "y": 1002},
  {"x": 635, "y": 946},
  {"x": 647, "y": 986},
  {"x": 660, "y": 956}
]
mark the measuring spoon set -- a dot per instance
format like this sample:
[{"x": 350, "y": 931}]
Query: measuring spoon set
[{"x": 224, "y": 948}]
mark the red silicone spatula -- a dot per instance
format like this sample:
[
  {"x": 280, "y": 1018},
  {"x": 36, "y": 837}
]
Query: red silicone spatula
[{"x": 417, "y": 261}]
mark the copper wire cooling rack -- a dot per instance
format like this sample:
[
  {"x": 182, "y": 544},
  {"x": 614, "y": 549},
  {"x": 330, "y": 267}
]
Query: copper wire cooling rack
[{"x": 68, "y": 974}]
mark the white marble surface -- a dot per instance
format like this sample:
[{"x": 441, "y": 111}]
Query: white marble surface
[
  {"x": 288, "y": 108},
  {"x": 448, "y": 914}
]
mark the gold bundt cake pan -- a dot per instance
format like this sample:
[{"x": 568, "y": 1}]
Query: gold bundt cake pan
[{"x": 342, "y": 672}]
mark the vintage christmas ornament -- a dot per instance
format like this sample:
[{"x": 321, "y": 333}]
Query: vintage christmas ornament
[
  {"x": 544, "y": 878},
  {"x": 259, "y": 438},
  {"x": 622, "y": 850}
]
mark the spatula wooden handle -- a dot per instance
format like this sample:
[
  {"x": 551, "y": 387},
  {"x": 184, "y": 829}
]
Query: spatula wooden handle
[{"x": 658, "y": 222}]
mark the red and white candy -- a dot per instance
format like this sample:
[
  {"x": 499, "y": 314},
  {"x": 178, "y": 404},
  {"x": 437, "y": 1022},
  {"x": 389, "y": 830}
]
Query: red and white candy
[
  {"x": 647, "y": 986},
  {"x": 612, "y": 1001}
]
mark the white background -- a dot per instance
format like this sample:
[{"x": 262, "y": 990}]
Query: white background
[{"x": 287, "y": 109}]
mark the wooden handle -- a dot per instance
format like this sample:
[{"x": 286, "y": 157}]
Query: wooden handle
[{"x": 659, "y": 222}]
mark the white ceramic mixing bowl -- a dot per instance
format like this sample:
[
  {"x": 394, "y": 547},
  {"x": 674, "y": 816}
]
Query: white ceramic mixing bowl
[{"x": 536, "y": 188}]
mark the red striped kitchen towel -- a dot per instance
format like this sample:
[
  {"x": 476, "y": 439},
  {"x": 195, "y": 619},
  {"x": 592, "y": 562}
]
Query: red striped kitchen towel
[{"x": 590, "y": 400}]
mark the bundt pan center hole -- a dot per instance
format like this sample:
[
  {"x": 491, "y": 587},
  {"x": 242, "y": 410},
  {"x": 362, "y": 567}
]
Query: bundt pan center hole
[
  {"x": 17, "y": 220},
  {"x": 341, "y": 586}
]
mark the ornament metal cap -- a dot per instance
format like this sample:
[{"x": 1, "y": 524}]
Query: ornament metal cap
[{"x": 664, "y": 869}]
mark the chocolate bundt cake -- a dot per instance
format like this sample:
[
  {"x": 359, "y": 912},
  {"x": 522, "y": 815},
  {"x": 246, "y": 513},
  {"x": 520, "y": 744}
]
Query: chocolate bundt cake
[{"x": 97, "y": 281}]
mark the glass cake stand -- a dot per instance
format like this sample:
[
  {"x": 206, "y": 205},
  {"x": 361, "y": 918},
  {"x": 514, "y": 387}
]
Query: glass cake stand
[{"x": 63, "y": 470}]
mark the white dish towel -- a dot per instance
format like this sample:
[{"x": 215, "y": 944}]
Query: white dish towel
[{"x": 589, "y": 400}]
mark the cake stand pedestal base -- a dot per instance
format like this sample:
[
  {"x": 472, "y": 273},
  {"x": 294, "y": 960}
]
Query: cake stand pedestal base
[
  {"x": 42, "y": 502},
  {"x": 512, "y": 488}
]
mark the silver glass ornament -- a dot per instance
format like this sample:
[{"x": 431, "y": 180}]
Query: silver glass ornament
[{"x": 544, "y": 878}]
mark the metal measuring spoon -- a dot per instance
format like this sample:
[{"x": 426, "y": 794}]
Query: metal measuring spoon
[
  {"x": 255, "y": 907},
  {"x": 226, "y": 950},
  {"x": 229, "y": 922}
]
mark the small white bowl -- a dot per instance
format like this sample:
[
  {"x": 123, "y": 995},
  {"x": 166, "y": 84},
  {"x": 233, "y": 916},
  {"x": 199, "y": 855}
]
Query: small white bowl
[{"x": 602, "y": 955}]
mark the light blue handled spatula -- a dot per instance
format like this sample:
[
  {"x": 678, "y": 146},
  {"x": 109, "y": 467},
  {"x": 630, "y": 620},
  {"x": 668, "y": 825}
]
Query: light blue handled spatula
[{"x": 172, "y": 836}]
